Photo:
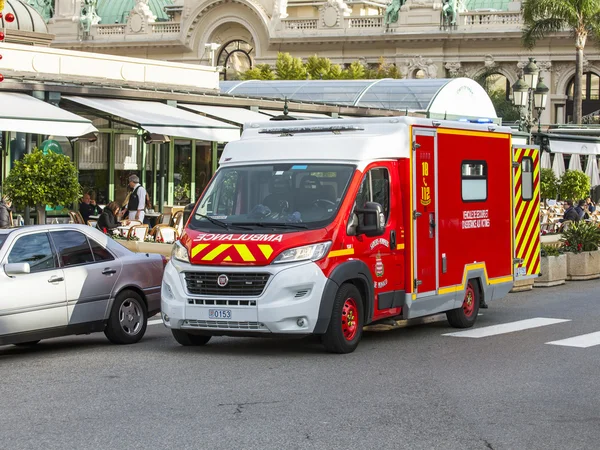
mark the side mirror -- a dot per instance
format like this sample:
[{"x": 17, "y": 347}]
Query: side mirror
[
  {"x": 17, "y": 269},
  {"x": 373, "y": 220}
]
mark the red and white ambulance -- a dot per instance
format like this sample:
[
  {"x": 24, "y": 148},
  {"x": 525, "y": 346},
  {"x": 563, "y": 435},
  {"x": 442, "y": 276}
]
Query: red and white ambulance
[{"x": 325, "y": 226}]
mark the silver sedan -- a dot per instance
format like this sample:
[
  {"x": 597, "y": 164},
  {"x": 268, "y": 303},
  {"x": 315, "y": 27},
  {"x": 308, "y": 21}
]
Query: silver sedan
[{"x": 58, "y": 280}]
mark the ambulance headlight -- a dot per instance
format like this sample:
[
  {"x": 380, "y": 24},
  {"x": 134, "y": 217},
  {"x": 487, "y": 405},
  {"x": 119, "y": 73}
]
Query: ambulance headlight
[
  {"x": 180, "y": 253},
  {"x": 312, "y": 252}
]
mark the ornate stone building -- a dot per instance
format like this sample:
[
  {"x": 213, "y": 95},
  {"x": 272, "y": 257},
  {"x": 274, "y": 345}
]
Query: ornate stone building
[{"x": 423, "y": 38}]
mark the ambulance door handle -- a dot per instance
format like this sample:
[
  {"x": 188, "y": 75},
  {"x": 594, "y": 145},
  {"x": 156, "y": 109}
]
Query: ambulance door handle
[{"x": 393, "y": 240}]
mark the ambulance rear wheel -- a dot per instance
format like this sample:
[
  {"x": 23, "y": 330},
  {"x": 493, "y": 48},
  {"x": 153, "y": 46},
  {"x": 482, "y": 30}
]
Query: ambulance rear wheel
[
  {"x": 188, "y": 339},
  {"x": 346, "y": 324},
  {"x": 466, "y": 315}
]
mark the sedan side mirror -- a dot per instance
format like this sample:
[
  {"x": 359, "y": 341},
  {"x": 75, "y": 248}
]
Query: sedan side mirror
[
  {"x": 373, "y": 220},
  {"x": 17, "y": 269}
]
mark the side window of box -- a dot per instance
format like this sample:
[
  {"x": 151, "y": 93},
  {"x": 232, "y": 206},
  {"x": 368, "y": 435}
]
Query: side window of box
[
  {"x": 474, "y": 179},
  {"x": 527, "y": 178}
]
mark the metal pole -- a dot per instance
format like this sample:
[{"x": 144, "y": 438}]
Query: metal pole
[{"x": 162, "y": 150}]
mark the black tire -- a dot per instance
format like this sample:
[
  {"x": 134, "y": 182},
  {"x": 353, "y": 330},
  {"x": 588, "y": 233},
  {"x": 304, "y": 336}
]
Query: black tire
[
  {"x": 28, "y": 344},
  {"x": 343, "y": 336},
  {"x": 466, "y": 315},
  {"x": 186, "y": 339},
  {"x": 128, "y": 319}
]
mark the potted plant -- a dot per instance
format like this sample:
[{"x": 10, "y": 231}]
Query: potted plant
[
  {"x": 553, "y": 267},
  {"x": 548, "y": 184},
  {"x": 574, "y": 185},
  {"x": 43, "y": 179},
  {"x": 581, "y": 242}
]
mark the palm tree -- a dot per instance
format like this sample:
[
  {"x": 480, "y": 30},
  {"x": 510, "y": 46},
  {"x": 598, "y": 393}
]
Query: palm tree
[{"x": 581, "y": 17}]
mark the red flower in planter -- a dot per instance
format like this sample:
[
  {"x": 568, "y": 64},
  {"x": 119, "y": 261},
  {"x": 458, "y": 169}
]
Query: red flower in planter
[{"x": 579, "y": 247}]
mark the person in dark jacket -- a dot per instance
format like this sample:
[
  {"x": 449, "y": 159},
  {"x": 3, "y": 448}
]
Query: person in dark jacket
[
  {"x": 88, "y": 208},
  {"x": 5, "y": 213},
  {"x": 570, "y": 213},
  {"x": 591, "y": 206},
  {"x": 108, "y": 220},
  {"x": 581, "y": 210}
]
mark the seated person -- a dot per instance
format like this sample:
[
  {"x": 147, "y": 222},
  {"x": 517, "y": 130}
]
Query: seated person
[
  {"x": 88, "y": 208},
  {"x": 109, "y": 219},
  {"x": 570, "y": 213}
]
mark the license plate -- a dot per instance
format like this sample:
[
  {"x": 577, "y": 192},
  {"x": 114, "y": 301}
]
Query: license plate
[{"x": 219, "y": 314}]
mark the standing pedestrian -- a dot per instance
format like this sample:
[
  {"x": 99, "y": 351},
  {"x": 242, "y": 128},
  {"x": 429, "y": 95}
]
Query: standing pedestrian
[
  {"x": 6, "y": 213},
  {"x": 137, "y": 199}
]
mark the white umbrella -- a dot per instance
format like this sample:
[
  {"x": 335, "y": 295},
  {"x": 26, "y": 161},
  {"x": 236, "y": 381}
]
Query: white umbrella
[
  {"x": 591, "y": 170},
  {"x": 575, "y": 163},
  {"x": 546, "y": 163},
  {"x": 558, "y": 166}
]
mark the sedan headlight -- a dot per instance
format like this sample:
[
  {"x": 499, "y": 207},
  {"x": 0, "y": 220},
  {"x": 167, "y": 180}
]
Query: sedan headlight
[
  {"x": 180, "y": 253},
  {"x": 312, "y": 252}
]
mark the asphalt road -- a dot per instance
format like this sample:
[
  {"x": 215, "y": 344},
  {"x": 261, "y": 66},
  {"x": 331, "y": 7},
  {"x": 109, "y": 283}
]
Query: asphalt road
[{"x": 409, "y": 388}]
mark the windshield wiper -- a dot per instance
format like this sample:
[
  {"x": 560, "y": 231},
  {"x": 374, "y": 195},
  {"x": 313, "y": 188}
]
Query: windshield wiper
[
  {"x": 214, "y": 221},
  {"x": 275, "y": 225}
]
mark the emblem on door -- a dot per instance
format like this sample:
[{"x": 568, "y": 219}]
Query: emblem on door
[{"x": 425, "y": 189}]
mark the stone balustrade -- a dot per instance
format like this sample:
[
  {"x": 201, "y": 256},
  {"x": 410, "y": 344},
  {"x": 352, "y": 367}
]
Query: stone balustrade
[
  {"x": 492, "y": 19},
  {"x": 119, "y": 30}
]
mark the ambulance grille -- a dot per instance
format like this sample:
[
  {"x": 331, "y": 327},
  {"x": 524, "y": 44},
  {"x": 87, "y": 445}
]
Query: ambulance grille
[
  {"x": 225, "y": 325},
  {"x": 238, "y": 284}
]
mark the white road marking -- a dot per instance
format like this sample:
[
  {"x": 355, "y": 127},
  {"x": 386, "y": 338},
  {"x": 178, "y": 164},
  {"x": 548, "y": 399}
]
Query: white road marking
[
  {"x": 583, "y": 341},
  {"x": 506, "y": 327},
  {"x": 155, "y": 322}
]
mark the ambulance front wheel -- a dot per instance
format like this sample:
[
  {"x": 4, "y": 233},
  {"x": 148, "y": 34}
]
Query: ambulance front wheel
[
  {"x": 346, "y": 324},
  {"x": 466, "y": 315}
]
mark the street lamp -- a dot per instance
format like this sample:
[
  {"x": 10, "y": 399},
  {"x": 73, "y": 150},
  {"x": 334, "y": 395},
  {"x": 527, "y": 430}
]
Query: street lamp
[{"x": 527, "y": 98}]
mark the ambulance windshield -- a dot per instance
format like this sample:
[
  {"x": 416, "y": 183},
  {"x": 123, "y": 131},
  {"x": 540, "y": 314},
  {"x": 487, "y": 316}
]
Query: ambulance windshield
[{"x": 292, "y": 196}]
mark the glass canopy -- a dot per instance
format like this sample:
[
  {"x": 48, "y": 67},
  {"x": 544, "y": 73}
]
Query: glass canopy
[{"x": 437, "y": 97}]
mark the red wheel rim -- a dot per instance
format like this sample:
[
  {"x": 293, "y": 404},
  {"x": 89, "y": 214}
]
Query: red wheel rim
[
  {"x": 349, "y": 319},
  {"x": 469, "y": 302}
]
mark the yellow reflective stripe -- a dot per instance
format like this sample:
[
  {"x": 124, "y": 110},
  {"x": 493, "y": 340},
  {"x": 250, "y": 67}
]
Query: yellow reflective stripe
[
  {"x": 473, "y": 133},
  {"x": 227, "y": 259},
  {"x": 501, "y": 280},
  {"x": 346, "y": 251},
  {"x": 266, "y": 250},
  {"x": 197, "y": 249},
  {"x": 216, "y": 252},
  {"x": 400, "y": 247},
  {"x": 447, "y": 290},
  {"x": 244, "y": 253}
]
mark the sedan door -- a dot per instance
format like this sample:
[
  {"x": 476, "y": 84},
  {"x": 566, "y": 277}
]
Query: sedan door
[
  {"x": 91, "y": 272},
  {"x": 37, "y": 300}
]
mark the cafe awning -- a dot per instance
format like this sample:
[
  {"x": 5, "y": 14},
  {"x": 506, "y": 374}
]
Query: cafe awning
[
  {"x": 231, "y": 114},
  {"x": 26, "y": 114},
  {"x": 160, "y": 118}
]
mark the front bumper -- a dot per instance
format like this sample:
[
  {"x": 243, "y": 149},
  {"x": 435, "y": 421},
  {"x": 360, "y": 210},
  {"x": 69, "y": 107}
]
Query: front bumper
[{"x": 289, "y": 303}]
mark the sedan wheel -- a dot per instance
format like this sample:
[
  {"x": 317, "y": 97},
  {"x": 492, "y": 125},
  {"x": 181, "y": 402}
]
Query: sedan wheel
[{"x": 128, "y": 319}]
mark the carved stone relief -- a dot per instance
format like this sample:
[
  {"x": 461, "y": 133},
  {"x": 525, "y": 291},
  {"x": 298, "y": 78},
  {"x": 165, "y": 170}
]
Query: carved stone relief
[
  {"x": 410, "y": 67},
  {"x": 454, "y": 69},
  {"x": 139, "y": 17}
]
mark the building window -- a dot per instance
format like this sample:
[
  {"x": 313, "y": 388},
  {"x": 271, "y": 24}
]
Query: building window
[
  {"x": 474, "y": 181},
  {"x": 236, "y": 57},
  {"x": 527, "y": 179},
  {"x": 93, "y": 167}
]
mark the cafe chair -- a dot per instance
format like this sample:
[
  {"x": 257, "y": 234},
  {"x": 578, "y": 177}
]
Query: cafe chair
[
  {"x": 138, "y": 231},
  {"x": 92, "y": 223},
  {"x": 166, "y": 235}
]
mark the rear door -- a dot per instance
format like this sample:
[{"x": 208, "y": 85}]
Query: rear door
[
  {"x": 424, "y": 213},
  {"x": 526, "y": 182},
  {"x": 90, "y": 274}
]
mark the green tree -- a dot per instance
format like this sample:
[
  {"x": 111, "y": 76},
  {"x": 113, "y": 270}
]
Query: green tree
[
  {"x": 581, "y": 17},
  {"x": 259, "y": 72},
  {"x": 43, "y": 179},
  {"x": 574, "y": 185},
  {"x": 335, "y": 73},
  {"x": 318, "y": 67},
  {"x": 289, "y": 68},
  {"x": 504, "y": 107},
  {"x": 355, "y": 71},
  {"x": 548, "y": 184}
]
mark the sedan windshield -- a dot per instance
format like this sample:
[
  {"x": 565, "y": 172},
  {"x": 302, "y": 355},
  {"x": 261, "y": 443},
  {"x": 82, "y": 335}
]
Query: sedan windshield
[{"x": 292, "y": 196}]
